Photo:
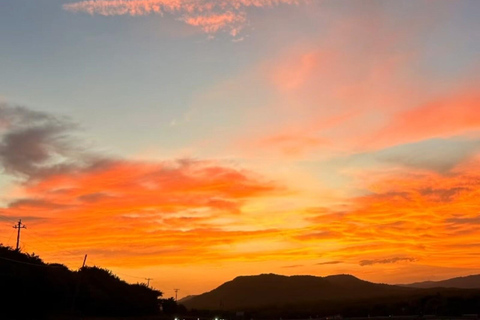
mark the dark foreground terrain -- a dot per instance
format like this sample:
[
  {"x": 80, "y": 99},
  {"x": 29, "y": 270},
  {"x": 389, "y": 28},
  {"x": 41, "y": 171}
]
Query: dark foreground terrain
[
  {"x": 274, "y": 296},
  {"x": 32, "y": 289}
]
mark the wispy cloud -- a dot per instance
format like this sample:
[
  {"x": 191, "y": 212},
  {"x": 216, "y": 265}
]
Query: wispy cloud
[
  {"x": 292, "y": 266},
  {"x": 338, "y": 95},
  {"x": 428, "y": 120},
  {"x": 35, "y": 145},
  {"x": 209, "y": 15},
  {"x": 475, "y": 220},
  {"x": 386, "y": 261},
  {"x": 328, "y": 263},
  {"x": 440, "y": 155}
]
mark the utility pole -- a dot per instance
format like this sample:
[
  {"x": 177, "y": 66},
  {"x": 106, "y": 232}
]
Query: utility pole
[
  {"x": 77, "y": 289},
  {"x": 148, "y": 282},
  {"x": 19, "y": 226},
  {"x": 176, "y": 292},
  {"x": 84, "y": 261}
]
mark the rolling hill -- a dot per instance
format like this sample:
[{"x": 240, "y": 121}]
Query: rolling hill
[
  {"x": 468, "y": 282},
  {"x": 268, "y": 290}
]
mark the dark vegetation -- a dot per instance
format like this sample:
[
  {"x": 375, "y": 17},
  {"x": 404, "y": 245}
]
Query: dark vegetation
[
  {"x": 32, "y": 289},
  {"x": 274, "y": 296}
]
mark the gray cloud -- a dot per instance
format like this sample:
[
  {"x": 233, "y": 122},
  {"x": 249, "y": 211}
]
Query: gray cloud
[
  {"x": 36, "y": 203},
  {"x": 34, "y": 145},
  {"x": 13, "y": 219},
  {"x": 443, "y": 195},
  {"x": 94, "y": 197},
  {"x": 386, "y": 261},
  {"x": 439, "y": 155}
]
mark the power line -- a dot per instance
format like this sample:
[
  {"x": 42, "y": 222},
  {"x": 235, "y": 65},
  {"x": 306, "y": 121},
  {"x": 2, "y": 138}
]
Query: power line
[
  {"x": 128, "y": 275},
  {"x": 9, "y": 237},
  {"x": 51, "y": 245},
  {"x": 31, "y": 264},
  {"x": 8, "y": 219}
]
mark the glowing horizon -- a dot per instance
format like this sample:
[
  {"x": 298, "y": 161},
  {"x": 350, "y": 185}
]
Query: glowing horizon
[{"x": 192, "y": 141}]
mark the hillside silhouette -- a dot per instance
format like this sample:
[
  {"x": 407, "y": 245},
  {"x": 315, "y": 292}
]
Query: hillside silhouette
[
  {"x": 41, "y": 290},
  {"x": 272, "y": 289},
  {"x": 468, "y": 282},
  {"x": 271, "y": 296}
]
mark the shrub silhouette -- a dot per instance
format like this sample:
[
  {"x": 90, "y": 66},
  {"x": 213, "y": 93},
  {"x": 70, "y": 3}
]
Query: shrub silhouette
[{"x": 32, "y": 289}]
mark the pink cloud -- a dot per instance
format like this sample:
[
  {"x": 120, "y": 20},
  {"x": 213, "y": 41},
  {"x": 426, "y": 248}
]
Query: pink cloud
[
  {"x": 214, "y": 23},
  {"x": 453, "y": 114},
  {"x": 291, "y": 144},
  {"x": 357, "y": 97},
  {"x": 211, "y": 16},
  {"x": 326, "y": 100}
]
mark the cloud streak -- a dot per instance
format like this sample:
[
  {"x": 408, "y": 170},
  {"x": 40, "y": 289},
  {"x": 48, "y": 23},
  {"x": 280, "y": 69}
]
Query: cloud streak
[
  {"x": 386, "y": 261},
  {"x": 211, "y": 16},
  {"x": 328, "y": 263}
]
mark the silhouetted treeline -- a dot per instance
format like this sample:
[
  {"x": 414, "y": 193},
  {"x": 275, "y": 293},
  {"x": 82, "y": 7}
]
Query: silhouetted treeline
[
  {"x": 171, "y": 307},
  {"x": 32, "y": 289},
  {"x": 442, "y": 303}
]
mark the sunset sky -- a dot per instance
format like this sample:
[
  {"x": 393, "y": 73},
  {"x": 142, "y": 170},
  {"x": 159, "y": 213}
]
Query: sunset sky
[{"x": 192, "y": 141}]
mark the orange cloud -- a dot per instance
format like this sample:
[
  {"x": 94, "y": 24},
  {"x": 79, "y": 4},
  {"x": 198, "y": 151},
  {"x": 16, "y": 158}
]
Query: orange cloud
[
  {"x": 210, "y": 15},
  {"x": 116, "y": 209},
  {"x": 419, "y": 217},
  {"x": 134, "y": 208}
]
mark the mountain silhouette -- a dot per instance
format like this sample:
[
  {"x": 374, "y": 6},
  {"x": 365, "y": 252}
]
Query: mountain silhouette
[
  {"x": 248, "y": 292},
  {"x": 468, "y": 282}
]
